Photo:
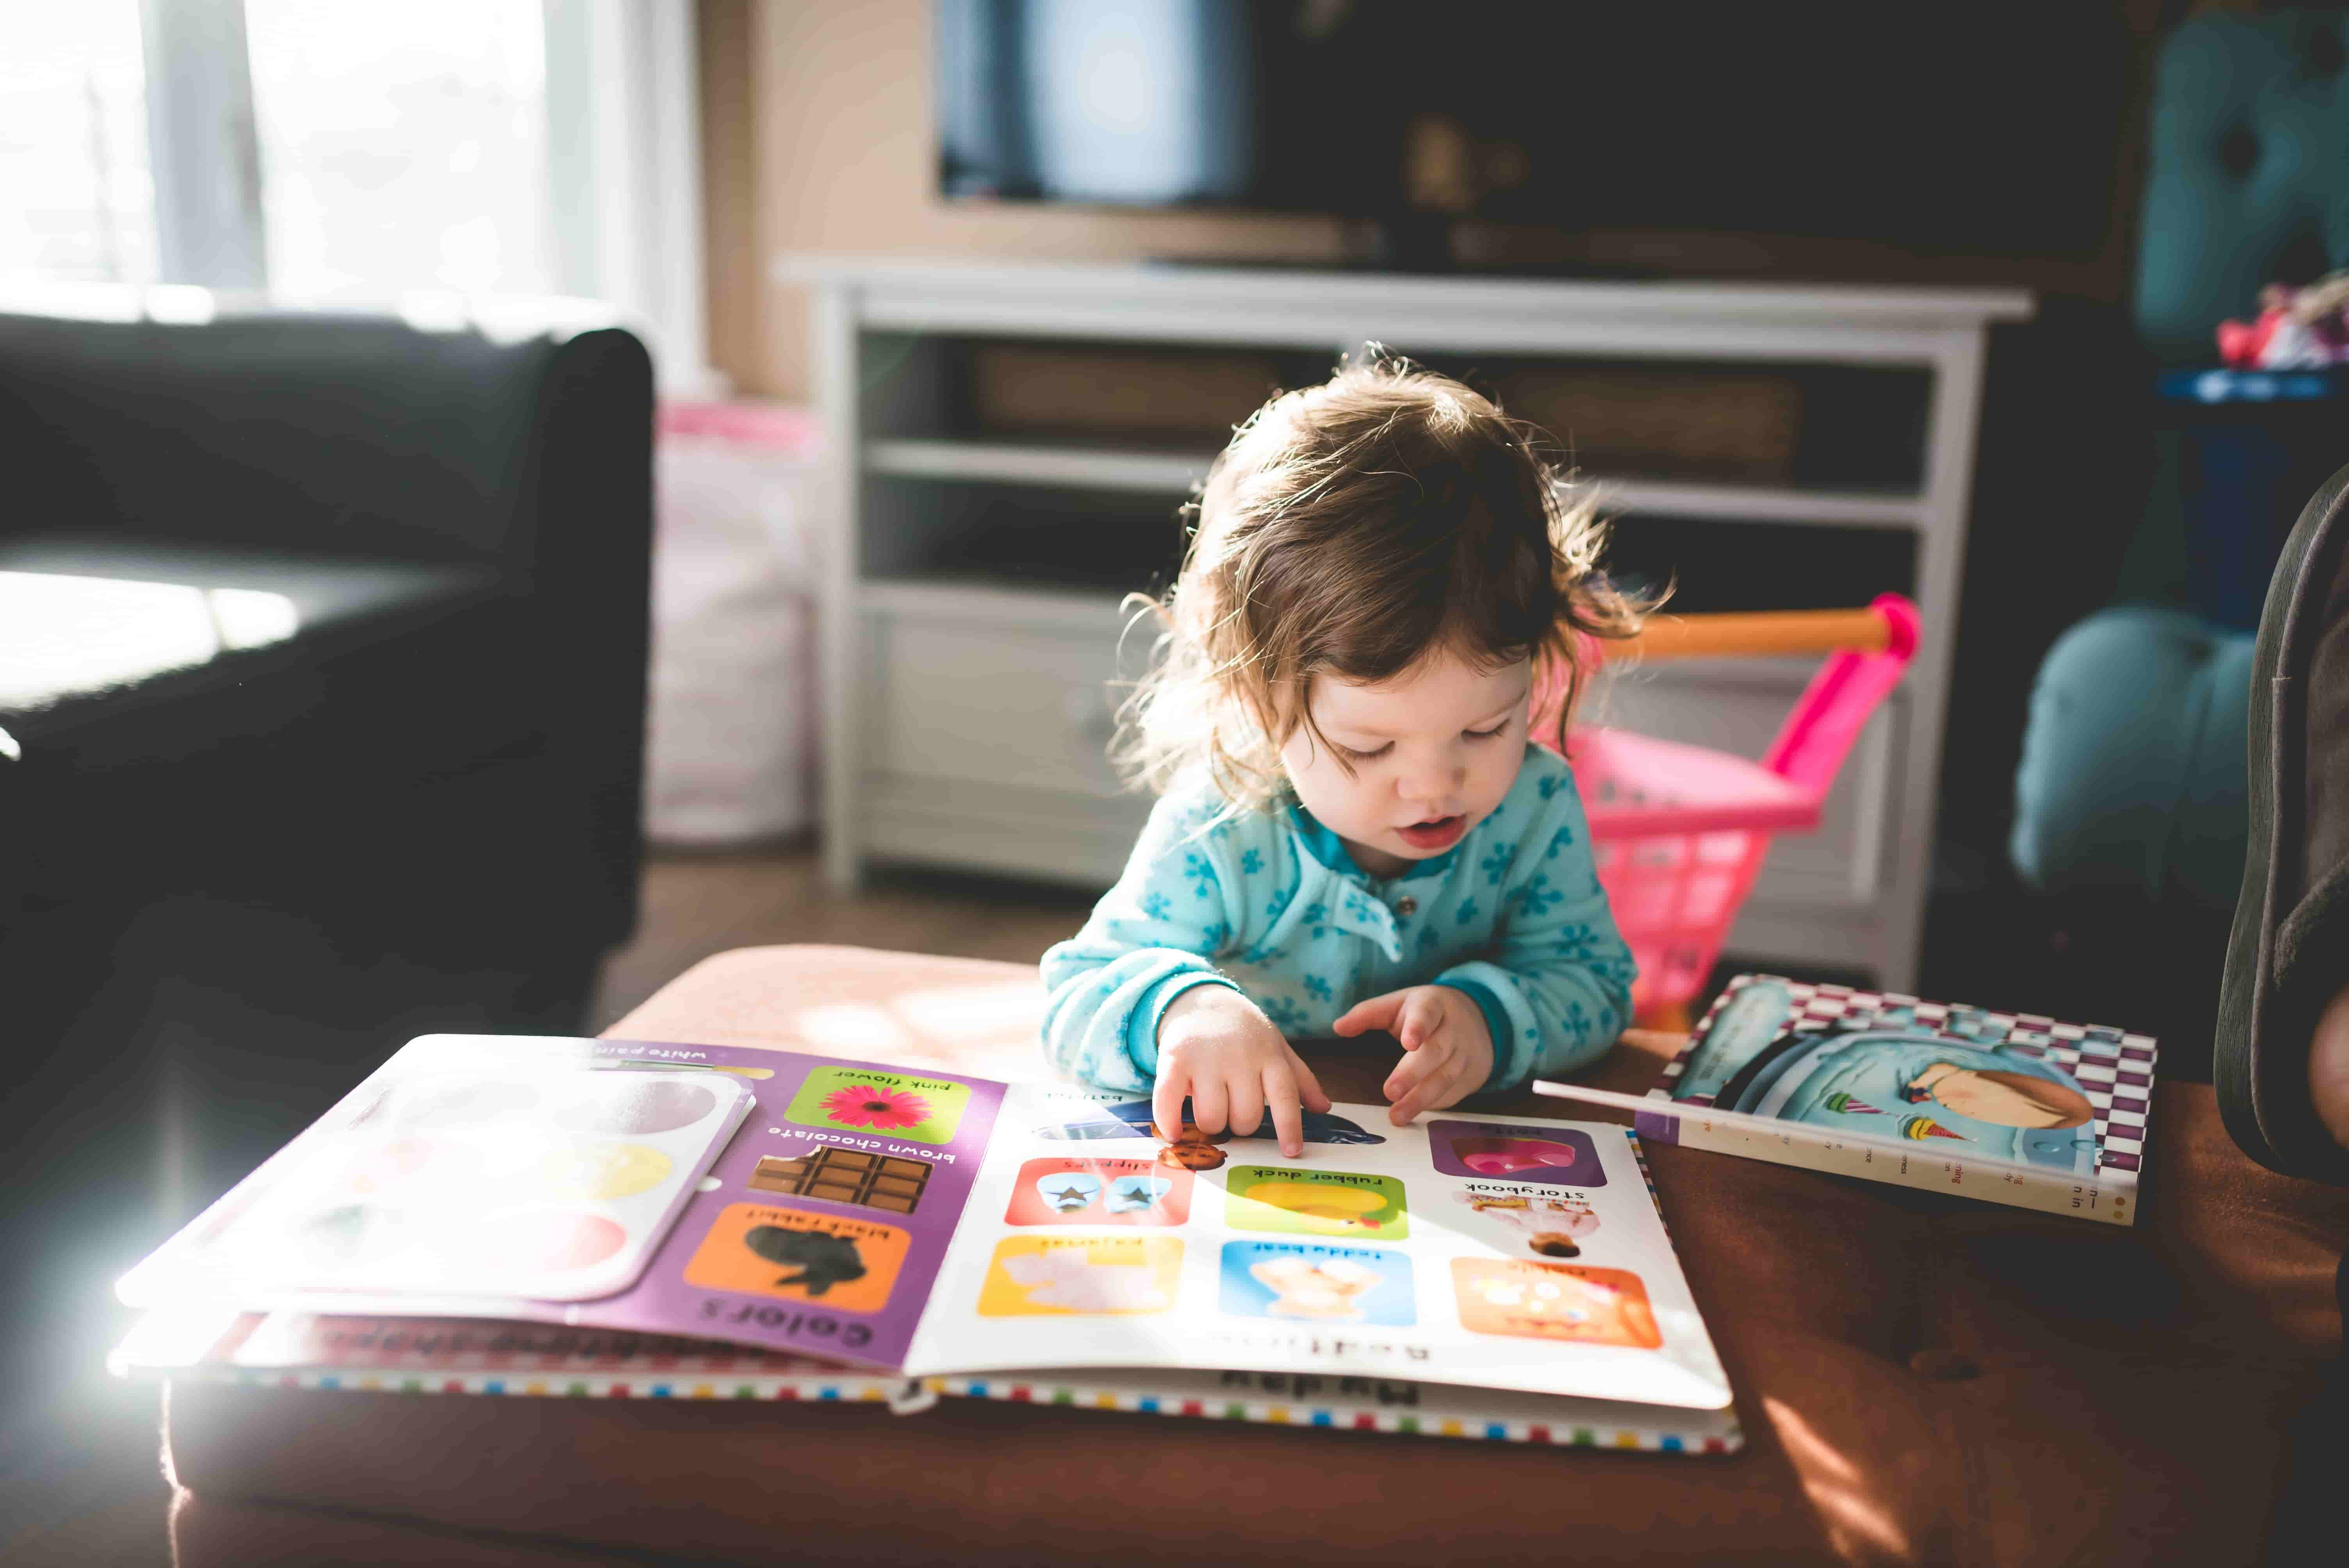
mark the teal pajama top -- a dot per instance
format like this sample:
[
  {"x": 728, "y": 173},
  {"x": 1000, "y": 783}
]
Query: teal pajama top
[{"x": 1271, "y": 904}]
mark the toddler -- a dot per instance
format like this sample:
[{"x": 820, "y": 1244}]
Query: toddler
[{"x": 1382, "y": 603}]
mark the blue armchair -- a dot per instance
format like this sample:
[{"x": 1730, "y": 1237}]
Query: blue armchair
[{"x": 2129, "y": 797}]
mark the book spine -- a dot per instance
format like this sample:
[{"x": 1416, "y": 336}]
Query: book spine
[{"x": 2019, "y": 1187}]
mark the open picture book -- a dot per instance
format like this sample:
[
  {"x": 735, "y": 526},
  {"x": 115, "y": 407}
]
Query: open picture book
[{"x": 905, "y": 1234}]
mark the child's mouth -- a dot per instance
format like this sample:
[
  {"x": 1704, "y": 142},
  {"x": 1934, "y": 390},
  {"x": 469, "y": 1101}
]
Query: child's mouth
[{"x": 1435, "y": 834}]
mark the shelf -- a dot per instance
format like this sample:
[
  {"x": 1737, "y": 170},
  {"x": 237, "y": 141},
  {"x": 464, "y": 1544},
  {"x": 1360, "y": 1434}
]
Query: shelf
[
  {"x": 1752, "y": 503},
  {"x": 1327, "y": 310},
  {"x": 984, "y": 544},
  {"x": 1017, "y": 462},
  {"x": 968, "y": 597},
  {"x": 975, "y": 597},
  {"x": 1173, "y": 474}
]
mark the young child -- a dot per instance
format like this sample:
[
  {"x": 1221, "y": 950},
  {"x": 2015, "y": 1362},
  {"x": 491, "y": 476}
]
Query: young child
[{"x": 1382, "y": 605}]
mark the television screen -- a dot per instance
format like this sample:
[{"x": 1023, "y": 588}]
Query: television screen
[{"x": 1989, "y": 130}]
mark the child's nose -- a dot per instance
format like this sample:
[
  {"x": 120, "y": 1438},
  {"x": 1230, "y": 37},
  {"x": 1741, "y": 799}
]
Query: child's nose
[{"x": 1431, "y": 780}]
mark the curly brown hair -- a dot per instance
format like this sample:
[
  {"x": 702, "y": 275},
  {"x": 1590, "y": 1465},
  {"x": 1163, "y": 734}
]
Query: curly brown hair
[{"x": 1350, "y": 526}]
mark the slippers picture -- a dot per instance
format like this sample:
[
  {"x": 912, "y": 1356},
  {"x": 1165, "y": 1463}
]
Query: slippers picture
[{"x": 2289, "y": 951}]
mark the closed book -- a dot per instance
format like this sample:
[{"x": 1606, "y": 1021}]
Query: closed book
[{"x": 2010, "y": 1108}]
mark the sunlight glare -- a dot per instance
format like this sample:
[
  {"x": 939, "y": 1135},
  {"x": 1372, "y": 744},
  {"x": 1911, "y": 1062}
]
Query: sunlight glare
[{"x": 61, "y": 635}]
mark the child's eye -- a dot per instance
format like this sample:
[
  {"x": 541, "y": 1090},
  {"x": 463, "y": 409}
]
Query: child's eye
[
  {"x": 1486, "y": 734},
  {"x": 1352, "y": 755}
]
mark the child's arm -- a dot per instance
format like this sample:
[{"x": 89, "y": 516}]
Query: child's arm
[
  {"x": 1556, "y": 990},
  {"x": 1153, "y": 937}
]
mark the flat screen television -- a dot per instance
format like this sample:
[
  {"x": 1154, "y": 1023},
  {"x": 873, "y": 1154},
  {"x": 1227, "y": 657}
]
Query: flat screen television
[{"x": 1989, "y": 130}]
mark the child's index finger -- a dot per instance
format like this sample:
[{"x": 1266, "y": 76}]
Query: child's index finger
[
  {"x": 1371, "y": 1013},
  {"x": 1166, "y": 1106},
  {"x": 1287, "y": 1116}
]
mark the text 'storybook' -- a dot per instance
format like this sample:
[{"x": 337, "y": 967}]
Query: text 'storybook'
[
  {"x": 922, "y": 1225},
  {"x": 2006, "y": 1107}
]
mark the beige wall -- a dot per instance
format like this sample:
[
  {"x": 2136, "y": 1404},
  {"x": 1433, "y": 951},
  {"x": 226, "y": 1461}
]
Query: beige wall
[
  {"x": 730, "y": 192},
  {"x": 817, "y": 117}
]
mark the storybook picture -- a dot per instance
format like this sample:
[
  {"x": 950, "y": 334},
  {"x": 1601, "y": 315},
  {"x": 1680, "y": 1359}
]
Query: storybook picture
[
  {"x": 2008, "y": 1108},
  {"x": 892, "y": 1233}
]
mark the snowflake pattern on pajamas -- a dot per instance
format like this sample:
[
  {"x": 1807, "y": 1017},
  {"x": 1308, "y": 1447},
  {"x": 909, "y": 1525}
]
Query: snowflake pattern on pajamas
[
  {"x": 1538, "y": 895},
  {"x": 1285, "y": 1015}
]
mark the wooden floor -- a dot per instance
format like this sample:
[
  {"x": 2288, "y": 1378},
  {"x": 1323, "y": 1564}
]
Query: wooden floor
[
  {"x": 698, "y": 903},
  {"x": 79, "y": 1481}
]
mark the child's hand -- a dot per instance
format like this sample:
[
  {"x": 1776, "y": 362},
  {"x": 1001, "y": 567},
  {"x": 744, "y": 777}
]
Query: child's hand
[
  {"x": 1447, "y": 1049},
  {"x": 1217, "y": 1048}
]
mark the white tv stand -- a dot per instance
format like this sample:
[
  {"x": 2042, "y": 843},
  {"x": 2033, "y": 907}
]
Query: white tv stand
[{"x": 966, "y": 706}]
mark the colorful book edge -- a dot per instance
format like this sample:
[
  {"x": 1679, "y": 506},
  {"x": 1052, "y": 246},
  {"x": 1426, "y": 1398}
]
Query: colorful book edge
[{"x": 1401, "y": 1410}]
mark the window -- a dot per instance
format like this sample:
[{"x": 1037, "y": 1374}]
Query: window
[
  {"x": 343, "y": 152},
  {"x": 402, "y": 147},
  {"x": 80, "y": 206}
]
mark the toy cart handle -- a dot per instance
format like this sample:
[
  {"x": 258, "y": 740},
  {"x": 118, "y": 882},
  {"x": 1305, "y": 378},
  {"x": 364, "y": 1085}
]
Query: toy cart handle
[
  {"x": 1868, "y": 651},
  {"x": 1888, "y": 625}
]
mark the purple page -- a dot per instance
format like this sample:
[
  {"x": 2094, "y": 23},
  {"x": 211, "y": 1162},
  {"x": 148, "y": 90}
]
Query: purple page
[{"x": 820, "y": 1228}]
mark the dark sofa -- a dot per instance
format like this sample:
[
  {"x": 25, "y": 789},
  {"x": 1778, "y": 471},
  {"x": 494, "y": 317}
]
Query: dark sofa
[{"x": 323, "y": 645}]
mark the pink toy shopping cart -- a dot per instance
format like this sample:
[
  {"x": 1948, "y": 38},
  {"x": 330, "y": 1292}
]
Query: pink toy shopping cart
[{"x": 1678, "y": 831}]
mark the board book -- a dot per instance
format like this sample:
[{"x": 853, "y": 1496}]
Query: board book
[
  {"x": 959, "y": 1234},
  {"x": 2010, "y": 1107}
]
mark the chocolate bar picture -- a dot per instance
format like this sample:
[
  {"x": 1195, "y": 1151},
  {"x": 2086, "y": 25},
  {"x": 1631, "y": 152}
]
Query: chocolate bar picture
[{"x": 883, "y": 1181}]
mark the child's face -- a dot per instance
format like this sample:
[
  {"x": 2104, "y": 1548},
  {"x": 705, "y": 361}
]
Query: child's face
[{"x": 1432, "y": 751}]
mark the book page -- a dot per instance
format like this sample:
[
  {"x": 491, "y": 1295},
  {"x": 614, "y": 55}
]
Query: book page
[
  {"x": 461, "y": 1356},
  {"x": 815, "y": 1228},
  {"x": 1484, "y": 1251}
]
